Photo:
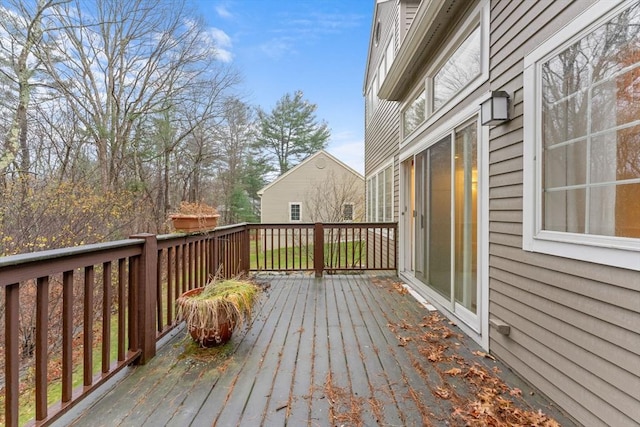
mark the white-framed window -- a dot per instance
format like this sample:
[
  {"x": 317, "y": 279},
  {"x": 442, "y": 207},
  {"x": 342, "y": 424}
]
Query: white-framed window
[
  {"x": 347, "y": 212},
  {"x": 372, "y": 101},
  {"x": 582, "y": 139},
  {"x": 460, "y": 68},
  {"x": 414, "y": 114},
  {"x": 389, "y": 55},
  {"x": 380, "y": 195},
  {"x": 295, "y": 211}
]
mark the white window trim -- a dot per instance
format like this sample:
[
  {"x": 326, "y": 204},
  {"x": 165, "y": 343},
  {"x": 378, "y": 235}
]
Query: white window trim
[
  {"x": 480, "y": 16},
  {"x": 475, "y": 325},
  {"x": 300, "y": 207},
  {"x": 615, "y": 251},
  {"x": 374, "y": 175}
]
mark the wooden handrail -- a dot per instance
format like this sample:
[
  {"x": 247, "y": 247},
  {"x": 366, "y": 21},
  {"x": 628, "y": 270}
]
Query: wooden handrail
[{"x": 133, "y": 283}]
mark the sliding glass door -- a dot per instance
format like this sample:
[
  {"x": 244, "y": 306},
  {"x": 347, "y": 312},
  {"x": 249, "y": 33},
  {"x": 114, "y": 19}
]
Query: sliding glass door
[{"x": 446, "y": 217}]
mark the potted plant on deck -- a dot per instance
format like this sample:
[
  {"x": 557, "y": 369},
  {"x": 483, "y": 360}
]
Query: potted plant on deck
[
  {"x": 214, "y": 311},
  {"x": 193, "y": 217}
]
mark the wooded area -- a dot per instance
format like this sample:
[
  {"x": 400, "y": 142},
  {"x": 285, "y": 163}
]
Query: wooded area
[{"x": 113, "y": 112}]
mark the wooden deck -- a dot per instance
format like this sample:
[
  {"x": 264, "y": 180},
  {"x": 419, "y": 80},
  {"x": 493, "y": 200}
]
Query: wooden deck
[{"x": 342, "y": 350}]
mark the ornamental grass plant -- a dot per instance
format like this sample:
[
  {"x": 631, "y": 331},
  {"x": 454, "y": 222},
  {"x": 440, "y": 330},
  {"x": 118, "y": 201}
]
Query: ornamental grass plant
[{"x": 214, "y": 311}]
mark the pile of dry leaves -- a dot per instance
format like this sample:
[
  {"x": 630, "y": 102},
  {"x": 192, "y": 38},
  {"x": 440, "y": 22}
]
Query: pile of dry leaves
[{"x": 477, "y": 395}]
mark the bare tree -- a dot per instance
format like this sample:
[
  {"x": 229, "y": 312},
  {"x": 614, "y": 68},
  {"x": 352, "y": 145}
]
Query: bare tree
[
  {"x": 21, "y": 32},
  {"x": 336, "y": 196},
  {"x": 123, "y": 65}
]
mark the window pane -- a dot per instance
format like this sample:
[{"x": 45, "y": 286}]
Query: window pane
[
  {"x": 371, "y": 199},
  {"x": 591, "y": 131},
  {"x": 565, "y": 165},
  {"x": 380, "y": 205},
  {"x": 295, "y": 212},
  {"x": 627, "y": 210},
  {"x": 466, "y": 213},
  {"x": 388, "y": 194},
  {"x": 347, "y": 212},
  {"x": 564, "y": 120},
  {"x": 566, "y": 74},
  {"x": 390, "y": 53},
  {"x": 461, "y": 68},
  {"x": 414, "y": 115},
  {"x": 439, "y": 217},
  {"x": 565, "y": 210}
]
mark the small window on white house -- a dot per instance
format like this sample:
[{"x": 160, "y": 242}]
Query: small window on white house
[
  {"x": 295, "y": 212},
  {"x": 347, "y": 212},
  {"x": 582, "y": 170}
]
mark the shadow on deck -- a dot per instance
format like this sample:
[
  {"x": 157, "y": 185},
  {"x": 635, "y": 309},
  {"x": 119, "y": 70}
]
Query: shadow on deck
[{"x": 348, "y": 349}]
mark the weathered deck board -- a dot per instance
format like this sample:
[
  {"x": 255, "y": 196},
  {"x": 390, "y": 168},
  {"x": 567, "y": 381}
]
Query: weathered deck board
[{"x": 318, "y": 351}]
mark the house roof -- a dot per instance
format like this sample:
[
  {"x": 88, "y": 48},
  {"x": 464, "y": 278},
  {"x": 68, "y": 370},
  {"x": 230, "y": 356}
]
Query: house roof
[
  {"x": 307, "y": 160},
  {"x": 431, "y": 23},
  {"x": 371, "y": 33}
]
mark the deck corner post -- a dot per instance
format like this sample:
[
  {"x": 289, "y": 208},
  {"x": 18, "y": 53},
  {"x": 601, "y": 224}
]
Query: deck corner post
[
  {"x": 245, "y": 256},
  {"x": 146, "y": 290},
  {"x": 318, "y": 248}
]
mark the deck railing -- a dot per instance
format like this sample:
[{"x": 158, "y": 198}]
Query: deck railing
[
  {"x": 74, "y": 317},
  {"x": 323, "y": 247}
]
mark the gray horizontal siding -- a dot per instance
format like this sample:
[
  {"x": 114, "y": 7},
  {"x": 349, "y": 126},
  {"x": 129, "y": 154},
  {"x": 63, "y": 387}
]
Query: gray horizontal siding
[{"x": 575, "y": 326}]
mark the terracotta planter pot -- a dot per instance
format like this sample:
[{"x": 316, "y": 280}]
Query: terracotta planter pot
[
  {"x": 194, "y": 223},
  {"x": 216, "y": 335}
]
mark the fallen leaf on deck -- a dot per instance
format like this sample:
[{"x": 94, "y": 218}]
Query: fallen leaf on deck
[
  {"x": 483, "y": 354},
  {"x": 403, "y": 341},
  {"x": 442, "y": 392}
]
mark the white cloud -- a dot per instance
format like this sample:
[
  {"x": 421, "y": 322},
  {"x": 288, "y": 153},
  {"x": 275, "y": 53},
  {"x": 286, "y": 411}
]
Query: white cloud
[
  {"x": 221, "y": 38},
  {"x": 222, "y": 43},
  {"x": 278, "y": 48},
  {"x": 223, "y": 11}
]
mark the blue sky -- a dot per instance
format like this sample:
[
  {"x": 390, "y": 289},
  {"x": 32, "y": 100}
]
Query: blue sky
[{"x": 319, "y": 47}]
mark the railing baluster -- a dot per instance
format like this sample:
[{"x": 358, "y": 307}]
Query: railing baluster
[
  {"x": 12, "y": 355},
  {"x": 286, "y": 249},
  {"x": 87, "y": 359},
  {"x": 306, "y": 248},
  {"x": 67, "y": 335},
  {"x": 395, "y": 246},
  {"x": 184, "y": 274},
  {"x": 388, "y": 240},
  {"x": 132, "y": 303},
  {"x": 122, "y": 278},
  {"x": 42, "y": 327},
  {"x": 107, "y": 296},
  {"x": 170, "y": 283},
  {"x": 159, "y": 294}
]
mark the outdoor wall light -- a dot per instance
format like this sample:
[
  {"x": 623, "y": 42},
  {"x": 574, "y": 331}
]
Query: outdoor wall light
[{"x": 495, "y": 109}]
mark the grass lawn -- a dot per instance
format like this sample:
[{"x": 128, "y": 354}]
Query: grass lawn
[
  {"x": 344, "y": 255},
  {"x": 54, "y": 388}
]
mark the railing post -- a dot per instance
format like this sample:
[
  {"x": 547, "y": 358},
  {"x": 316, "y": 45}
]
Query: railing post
[
  {"x": 146, "y": 291},
  {"x": 318, "y": 248},
  {"x": 216, "y": 253},
  {"x": 245, "y": 250}
]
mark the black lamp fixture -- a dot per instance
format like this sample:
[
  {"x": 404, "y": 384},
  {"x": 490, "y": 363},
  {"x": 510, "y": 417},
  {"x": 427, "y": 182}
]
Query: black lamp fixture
[{"x": 495, "y": 109}]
